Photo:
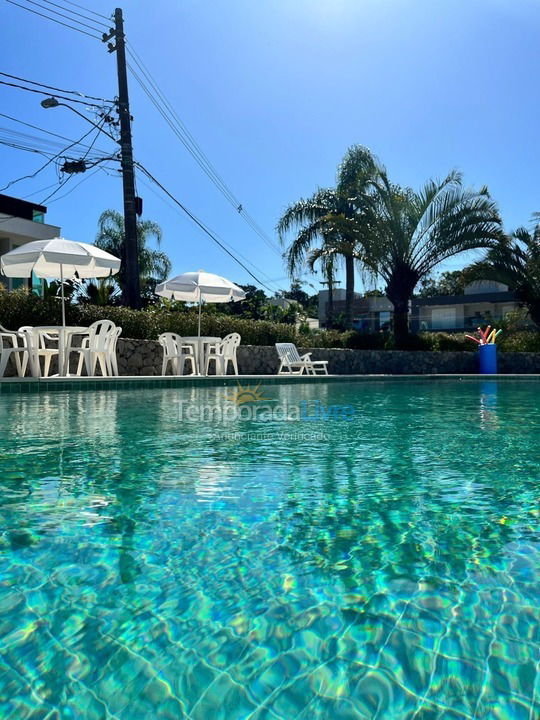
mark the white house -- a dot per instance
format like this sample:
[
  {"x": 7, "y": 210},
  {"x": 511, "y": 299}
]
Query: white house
[{"x": 22, "y": 222}]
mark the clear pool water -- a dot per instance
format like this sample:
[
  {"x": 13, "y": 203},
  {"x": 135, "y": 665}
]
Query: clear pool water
[{"x": 380, "y": 562}]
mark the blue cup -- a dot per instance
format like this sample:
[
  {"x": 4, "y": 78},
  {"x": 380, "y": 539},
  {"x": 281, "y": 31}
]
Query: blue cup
[{"x": 487, "y": 359}]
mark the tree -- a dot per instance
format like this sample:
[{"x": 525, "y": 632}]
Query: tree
[
  {"x": 515, "y": 261},
  {"x": 333, "y": 216},
  {"x": 412, "y": 232},
  {"x": 452, "y": 282},
  {"x": 154, "y": 265},
  {"x": 253, "y": 305}
]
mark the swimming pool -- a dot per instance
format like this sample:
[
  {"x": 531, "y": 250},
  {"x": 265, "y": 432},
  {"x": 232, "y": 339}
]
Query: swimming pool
[{"x": 332, "y": 550}]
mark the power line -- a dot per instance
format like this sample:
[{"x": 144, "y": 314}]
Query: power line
[
  {"x": 59, "y": 187},
  {"x": 33, "y": 175},
  {"x": 86, "y": 10},
  {"x": 51, "y": 87},
  {"x": 41, "y": 92},
  {"x": 48, "y": 132},
  {"x": 172, "y": 118},
  {"x": 67, "y": 17},
  {"x": 39, "y": 142},
  {"x": 193, "y": 148},
  {"x": 86, "y": 177},
  {"x": 243, "y": 257},
  {"x": 73, "y": 12},
  {"x": 202, "y": 226},
  {"x": 59, "y": 22}
]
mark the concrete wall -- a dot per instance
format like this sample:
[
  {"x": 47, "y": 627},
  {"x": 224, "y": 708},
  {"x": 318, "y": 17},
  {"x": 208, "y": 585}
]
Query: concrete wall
[{"x": 144, "y": 357}]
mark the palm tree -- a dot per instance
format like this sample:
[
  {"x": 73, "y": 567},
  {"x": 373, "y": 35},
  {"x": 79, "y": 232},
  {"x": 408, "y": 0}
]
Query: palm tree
[
  {"x": 154, "y": 265},
  {"x": 515, "y": 261},
  {"x": 412, "y": 232},
  {"x": 334, "y": 216}
]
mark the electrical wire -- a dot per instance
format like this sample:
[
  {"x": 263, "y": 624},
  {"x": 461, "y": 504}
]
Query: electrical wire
[
  {"x": 33, "y": 175},
  {"x": 73, "y": 12},
  {"x": 63, "y": 183},
  {"x": 55, "y": 12},
  {"x": 48, "y": 132},
  {"x": 200, "y": 224},
  {"x": 42, "y": 92},
  {"x": 86, "y": 177},
  {"x": 33, "y": 142},
  {"x": 243, "y": 257},
  {"x": 169, "y": 114},
  {"x": 193, "y": 148},
  {"x": 52, "y": 87},
  {"x": 86, "y": 10},
  {"x": 59, "y": 22}
]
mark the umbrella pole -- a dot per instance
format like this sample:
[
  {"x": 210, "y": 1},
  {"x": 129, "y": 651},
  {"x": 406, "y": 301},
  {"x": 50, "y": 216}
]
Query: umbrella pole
[
  {"x": 62, "y": 335},
  {"x": 200, "y": 358},
  {"x": 63, "y": 297}
]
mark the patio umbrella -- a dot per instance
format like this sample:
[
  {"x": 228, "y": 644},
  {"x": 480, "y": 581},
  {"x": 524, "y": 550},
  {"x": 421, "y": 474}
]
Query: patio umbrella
[
  {"x": 200, "y": 287},
  {"x": 59, "y": 258}
]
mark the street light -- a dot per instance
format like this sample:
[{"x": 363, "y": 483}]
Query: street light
[{"x": 52, "y": 102}]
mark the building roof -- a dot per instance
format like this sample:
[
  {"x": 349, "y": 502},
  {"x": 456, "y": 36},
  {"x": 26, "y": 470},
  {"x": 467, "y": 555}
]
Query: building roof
[
  {"x": 19, "y": 208},
  {"x": 465, "y": 299}
]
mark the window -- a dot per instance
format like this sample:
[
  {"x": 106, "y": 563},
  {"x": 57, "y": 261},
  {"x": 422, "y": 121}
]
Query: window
[
  {"x": 443, "y": 318},
  {"x": 38, "y": 216}
]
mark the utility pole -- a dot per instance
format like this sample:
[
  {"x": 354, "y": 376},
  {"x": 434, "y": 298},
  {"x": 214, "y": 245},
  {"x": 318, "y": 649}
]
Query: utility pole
[{"x": 130, "y": 257}]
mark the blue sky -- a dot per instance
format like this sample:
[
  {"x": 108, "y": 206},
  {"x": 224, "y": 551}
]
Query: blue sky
[{"x": 274, "y": 91}]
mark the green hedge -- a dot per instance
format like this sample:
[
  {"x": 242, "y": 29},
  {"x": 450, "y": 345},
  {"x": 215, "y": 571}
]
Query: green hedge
[{"x": 22, "y": 308}]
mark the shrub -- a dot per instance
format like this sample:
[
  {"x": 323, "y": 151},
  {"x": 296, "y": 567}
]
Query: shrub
[{"x": 20, "y": 307}]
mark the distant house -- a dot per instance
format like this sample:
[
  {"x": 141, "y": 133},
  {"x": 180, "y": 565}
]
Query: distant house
[
  {"x": 483, "y": 301},
  {"x": 22, "y": 222},
  {"x": 370, "y": 313}
]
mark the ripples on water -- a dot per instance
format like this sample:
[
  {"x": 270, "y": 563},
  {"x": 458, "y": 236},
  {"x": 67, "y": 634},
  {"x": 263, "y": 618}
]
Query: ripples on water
[{"x": 384, "y": 568}]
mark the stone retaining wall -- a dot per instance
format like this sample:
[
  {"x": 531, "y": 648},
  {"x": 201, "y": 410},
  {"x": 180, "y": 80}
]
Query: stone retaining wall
[{"x": 144, "y": 357}]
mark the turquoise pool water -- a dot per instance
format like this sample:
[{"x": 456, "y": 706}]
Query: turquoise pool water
[{"x": 375, "y": 556}]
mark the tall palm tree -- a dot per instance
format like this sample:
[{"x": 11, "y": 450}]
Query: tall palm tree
[
  {"x": 515, "y": 261},
  {"x": 333, "y": 215},
  {"x": 412, "y": 232},
  {"x": 154, "y": 265}
]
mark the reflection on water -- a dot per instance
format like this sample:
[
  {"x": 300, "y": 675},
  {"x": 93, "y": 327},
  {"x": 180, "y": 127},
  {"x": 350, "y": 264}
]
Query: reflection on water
[
  {"x": 153, "y": 568},
  {"x": 488, "y": 404}
]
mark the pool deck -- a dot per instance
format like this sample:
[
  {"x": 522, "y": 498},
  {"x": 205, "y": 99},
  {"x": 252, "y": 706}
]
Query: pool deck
[{"x": 127, "y": 382}]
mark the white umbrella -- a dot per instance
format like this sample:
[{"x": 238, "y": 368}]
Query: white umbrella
[
  {"x": 198, "y": 287},
  {"x": 59, "y": 258}
]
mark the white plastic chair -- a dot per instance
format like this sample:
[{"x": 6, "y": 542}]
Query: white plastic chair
[
  {"x": 95, "y": 348},
  {"x": 224, "y": 353},
  {"x": 37, "y": 349},
  {"x": 176, "y": 352},
  {"x": 292, "y": 363},
  {"x": 19, "y": 352},
  {"x": 112, "y": 360}
]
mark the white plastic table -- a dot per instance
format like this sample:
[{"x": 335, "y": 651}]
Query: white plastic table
[
  {"x": 201, "y": 346},
  {"x": 64, "y": 335}
]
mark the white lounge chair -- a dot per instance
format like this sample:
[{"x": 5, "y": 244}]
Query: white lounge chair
[
  {"x": 176, "y": 352},
  {"x": 292, "y": 363},
  {"x": 13, "y": 348},
  {"x": 224, "y": 353}
]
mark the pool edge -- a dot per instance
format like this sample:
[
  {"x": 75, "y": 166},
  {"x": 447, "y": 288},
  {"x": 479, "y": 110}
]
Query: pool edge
[{"x": 127, "y": 382}]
